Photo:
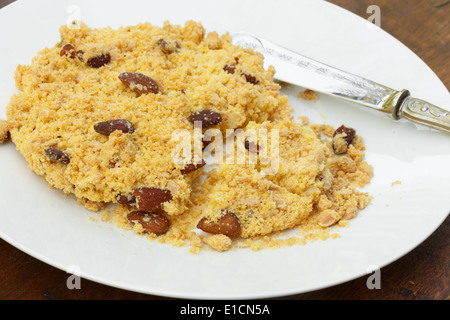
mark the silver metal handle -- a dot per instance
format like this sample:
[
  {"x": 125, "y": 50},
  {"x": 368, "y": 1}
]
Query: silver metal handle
[{"x": 420, "y": 111}]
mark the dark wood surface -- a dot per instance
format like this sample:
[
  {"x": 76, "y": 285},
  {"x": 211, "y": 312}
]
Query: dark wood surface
[{"x": 421, "y": 274}]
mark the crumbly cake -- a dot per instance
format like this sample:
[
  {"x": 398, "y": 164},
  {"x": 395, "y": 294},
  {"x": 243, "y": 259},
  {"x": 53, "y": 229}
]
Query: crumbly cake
[
  {"x": 265, "y": 198},
  {"x": 87, "y": 79},
  {"x": 314, "y": 188},
  {"x": 96, "y": 116}
]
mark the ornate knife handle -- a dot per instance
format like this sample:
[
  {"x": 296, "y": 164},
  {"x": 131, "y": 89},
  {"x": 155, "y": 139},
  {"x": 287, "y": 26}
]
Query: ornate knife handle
[{"x": 419, "y": 111}]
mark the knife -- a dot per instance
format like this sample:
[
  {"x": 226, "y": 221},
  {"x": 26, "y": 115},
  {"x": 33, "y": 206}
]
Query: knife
[{"x": 292, "y": 67}]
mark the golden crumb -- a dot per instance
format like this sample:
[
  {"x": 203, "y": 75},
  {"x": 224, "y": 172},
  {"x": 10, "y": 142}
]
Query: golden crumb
[
  {"x": 307, "y": 94},
  {"x": 343, "y": 223},
  {"x": 219, "y": 242},
  {"x": 194, "y": 250},
  {"x": 4, "y": 131},
  {"x": 304, "y": 120}
]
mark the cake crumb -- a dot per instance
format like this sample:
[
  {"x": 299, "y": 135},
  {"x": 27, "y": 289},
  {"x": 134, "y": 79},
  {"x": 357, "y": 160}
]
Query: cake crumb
[
  {"x": 308, "y": 94},
  {"x": 194, "y": 250},
  {"x": 343, "y": 223},
  {"x": 396, "y": 183},
  {"x": 4, "y": 131},
  {"x": 219, "y": 242},
  {"x": 196, "y": 243},
  {"x": 304, "y": 120}
]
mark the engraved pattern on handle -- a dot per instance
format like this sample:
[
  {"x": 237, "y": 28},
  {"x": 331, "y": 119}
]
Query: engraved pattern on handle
[{"x": 425, "y": 113}]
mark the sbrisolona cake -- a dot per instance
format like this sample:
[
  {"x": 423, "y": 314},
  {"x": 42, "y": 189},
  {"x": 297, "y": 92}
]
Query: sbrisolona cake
[
  {"x": 313, "y": 187},
  {"x": 96, "y": 114}
]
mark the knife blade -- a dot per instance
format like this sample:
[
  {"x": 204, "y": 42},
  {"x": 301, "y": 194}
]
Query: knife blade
[{"x": 294, "y": 68}]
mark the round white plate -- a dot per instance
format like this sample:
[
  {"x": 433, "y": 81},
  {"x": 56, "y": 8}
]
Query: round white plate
[{"x": 55, "y": 229}]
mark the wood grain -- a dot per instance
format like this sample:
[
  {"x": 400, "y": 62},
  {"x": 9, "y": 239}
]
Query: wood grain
[{"x": 424, "y": 27}]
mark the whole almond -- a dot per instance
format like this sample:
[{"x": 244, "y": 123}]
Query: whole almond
[
  {"x": 151, "y": 199},
  {"x": 228, "y": 225},
  {"x": 207, "y": 117},
  {"x": 139, "y": 83},
  {"x": 108, "y": 127},
  {"x": 99, "y": 61},
  {"x": 193, "y": 167},
  {"x": 56, "y": 154},
  {"x": 152, "y": 222}
]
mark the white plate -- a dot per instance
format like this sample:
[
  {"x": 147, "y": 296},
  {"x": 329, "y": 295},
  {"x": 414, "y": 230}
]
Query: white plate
[{"x": 55, "y": 229}]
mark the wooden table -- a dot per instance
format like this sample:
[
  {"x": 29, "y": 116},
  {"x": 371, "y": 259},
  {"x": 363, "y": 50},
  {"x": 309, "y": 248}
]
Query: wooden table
[{"x": 423, "y": 273}]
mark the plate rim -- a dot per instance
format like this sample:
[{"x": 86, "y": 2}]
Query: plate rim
[{"x": 57, "y": 265}]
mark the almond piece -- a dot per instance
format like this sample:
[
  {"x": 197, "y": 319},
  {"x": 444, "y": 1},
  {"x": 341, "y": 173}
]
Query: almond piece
[
  {"x": 193, "y": 167},
  {"x": 113, "y": 161},
  {"x": 99, "y": 61},
  {"x": 327, "y": 218},
  {"x": 56, "y": 154},
  {"x": 207, "y": 117},
  {"x": 151, "y": 199},
  {"x": 108, "y": 127},
  {"x": 229, "y": 68},
  {"x": 249, "y": 78},
  {"x": 152, "y": 222},
  {"x": 68, "y": 50},
  {"x": 350, "y": 133},
  {"x": 80, "y": 54},
  {"x": 125, "y": 199},
  {"x": 166, "y": 47},
  {"x": 228, "y": 225},
  {"x": 139, "y": 83},
  {"x": 251, "y": 146},
  {"x": 342, "y": 138}
]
